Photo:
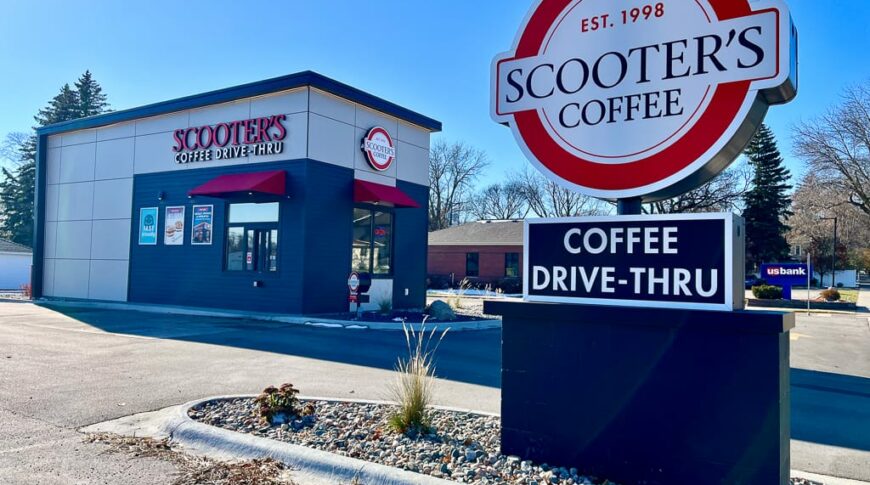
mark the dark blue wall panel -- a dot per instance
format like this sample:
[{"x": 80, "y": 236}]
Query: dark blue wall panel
[
  {"x": 314, "y": 254},
  {"x": 193, "y": 275},
  {"x": 409, "y": 257},
  {"x": 328, "y": 238}
]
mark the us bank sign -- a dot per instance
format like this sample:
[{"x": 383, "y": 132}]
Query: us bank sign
[{"x": 642, "y": 98}]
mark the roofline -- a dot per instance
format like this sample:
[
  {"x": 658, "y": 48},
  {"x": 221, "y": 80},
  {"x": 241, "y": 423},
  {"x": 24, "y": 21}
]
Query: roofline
[{"x": 259, "y": 88}]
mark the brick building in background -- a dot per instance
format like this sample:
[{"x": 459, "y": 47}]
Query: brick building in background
[{"x": 484, "y": 252}]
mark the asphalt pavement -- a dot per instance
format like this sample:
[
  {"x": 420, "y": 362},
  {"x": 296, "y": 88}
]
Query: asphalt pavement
[{"x": 62, "y": 371}]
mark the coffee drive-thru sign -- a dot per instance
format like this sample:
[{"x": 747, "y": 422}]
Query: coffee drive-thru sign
[
  {"x": 614, "y": 363},
  {"x": 642, "y": 99}
]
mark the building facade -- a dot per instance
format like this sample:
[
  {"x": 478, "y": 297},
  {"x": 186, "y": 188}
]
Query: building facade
[
  {"x": 15, "y": 261},
  {"x": 483, "y": 252},
  {"x": 261, "y": 197}
]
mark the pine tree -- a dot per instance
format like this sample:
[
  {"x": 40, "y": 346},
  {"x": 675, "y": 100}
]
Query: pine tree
[
  {"x": 767, "y": 203},
  {"x": 18, "y": 185},
  {"x": 92, "y": 101}
]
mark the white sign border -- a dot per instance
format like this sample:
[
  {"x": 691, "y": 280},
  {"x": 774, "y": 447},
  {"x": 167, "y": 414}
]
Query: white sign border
[{"x": 727, "y": 217}]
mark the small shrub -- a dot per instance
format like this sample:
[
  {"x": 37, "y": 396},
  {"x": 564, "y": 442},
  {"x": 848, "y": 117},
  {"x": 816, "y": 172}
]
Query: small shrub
[
  {"x": 839, "y": 285},
  {"x": 814, "y": 282},
  {"x": 767, "y": 292},
  {"x": 415, "y": 379},
  {"x": 438, "y": 282},
  {"x": 385, "y": 305},
  {"x": 272, "y": 402},
  {"x": 830, "y": 294},
  {"x": 510, "y": 285},
  {"x": 27, "y": 290}
]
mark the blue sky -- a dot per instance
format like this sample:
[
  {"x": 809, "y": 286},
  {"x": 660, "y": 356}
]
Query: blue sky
[{"x": 430, "y": 56}]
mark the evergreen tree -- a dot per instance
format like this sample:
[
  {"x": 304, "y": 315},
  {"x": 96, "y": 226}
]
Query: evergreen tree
[
  {"x": 18, "y": 185},
  {"x": 92, "y": 101},
  {"x": 767, "y": 204}
]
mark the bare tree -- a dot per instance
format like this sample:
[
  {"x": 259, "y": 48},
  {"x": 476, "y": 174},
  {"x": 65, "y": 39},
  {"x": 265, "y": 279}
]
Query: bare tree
[
  {"x": 453, "y": 169},
  {"x": 836, "y": 146},
  {"x": 501, "y": 201},
  {"x": 722, "y": 194},
  {"x": 815, "y": 198},
  {"x": 548, "y": 199},
  {"x": 11, "y": 148}
]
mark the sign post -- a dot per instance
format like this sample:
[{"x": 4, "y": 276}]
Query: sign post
[{"x": 620, "y": 360}]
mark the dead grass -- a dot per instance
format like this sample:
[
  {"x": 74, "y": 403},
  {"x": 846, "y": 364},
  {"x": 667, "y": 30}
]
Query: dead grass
[
  {"x": 196, "y": 469},
  {"x": 415, "y": 379}
]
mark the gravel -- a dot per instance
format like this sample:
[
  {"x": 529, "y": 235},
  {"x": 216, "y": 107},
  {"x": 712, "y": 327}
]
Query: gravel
[{"x": 464, "y": 447}]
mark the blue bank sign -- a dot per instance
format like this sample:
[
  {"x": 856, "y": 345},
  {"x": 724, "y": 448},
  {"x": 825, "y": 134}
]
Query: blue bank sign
[
  {"x": 677, "y": 261},
  {"x": 781, "y": 274}
]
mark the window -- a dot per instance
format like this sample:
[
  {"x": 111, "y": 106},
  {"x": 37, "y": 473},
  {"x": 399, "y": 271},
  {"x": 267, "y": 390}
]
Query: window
[
  {"x": 252, "y": 237},
  {"x": 472, "y": 264},
  {"x": 512, "y": 265},
  {"x": 372, "y": 250}
]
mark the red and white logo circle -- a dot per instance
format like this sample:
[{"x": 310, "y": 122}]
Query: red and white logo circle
[
  {"x": 643, "y": 99},
  {"x": 379, "y": 149}
]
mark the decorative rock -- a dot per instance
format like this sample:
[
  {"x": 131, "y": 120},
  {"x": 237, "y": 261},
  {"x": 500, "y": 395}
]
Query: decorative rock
[{"x": 439, "y": 310}]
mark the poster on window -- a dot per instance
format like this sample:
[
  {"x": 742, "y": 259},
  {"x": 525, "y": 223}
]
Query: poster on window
[
  {"x": 148, "y": 226},
  {"x": 202, "y": 223},
  {"x": 173, "y": 234}
]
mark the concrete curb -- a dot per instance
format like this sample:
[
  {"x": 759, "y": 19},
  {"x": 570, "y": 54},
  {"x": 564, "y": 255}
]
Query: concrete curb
[
  {"x": 268, "y": 317},
  {"x": 314, "y": 464}
]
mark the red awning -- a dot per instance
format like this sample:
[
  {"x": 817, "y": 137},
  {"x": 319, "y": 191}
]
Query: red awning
[
  {"x": 272, "y": 183},
  {"x": 372, "y": 193}
]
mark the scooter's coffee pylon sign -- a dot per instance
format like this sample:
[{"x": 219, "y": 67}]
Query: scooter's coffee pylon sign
[{"x": 642, "y": 98}]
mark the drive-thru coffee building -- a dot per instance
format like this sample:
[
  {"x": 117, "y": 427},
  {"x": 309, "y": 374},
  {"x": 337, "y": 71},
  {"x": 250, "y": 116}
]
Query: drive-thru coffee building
[{"x": 260, "y": 197}]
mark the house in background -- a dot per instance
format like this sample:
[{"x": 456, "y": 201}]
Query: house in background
[
  {"x": 15, "y": 261},
  {"x": 484, "y": 252}
]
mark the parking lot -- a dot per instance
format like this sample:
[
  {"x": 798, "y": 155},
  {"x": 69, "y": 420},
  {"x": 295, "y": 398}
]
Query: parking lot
[{"x": 64, "y": 370}]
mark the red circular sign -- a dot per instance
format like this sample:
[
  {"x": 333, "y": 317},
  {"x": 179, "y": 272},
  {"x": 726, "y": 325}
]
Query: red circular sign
[
  {"x": 379, "y": 149},
  {"x": 648, "y": 102}
]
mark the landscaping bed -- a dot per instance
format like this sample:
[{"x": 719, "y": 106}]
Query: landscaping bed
[
  {"x": 463, "y": 447},
  {"x": 802, "y": 304}
]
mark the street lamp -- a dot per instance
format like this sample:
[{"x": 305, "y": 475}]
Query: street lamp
[{"x": 833, "y": 251}]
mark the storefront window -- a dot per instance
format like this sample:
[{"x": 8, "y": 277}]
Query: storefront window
[
  {"x": 372, "y": 241},
  {"x": 252, "y": 237},
  {"x": 512, "y": 265},
  {"x": 472, "y": 264}
]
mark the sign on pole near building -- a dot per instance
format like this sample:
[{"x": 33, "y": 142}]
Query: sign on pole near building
[
  {"x": 639, "y": 101},
  {"x": 683, "y": 261},
  {"x": 630, "y": 99}
]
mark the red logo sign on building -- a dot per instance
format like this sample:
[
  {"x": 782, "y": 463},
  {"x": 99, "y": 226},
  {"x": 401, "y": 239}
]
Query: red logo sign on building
[
  {"x": 379, "y": 149},
  {"x": 643, "y": 99}
]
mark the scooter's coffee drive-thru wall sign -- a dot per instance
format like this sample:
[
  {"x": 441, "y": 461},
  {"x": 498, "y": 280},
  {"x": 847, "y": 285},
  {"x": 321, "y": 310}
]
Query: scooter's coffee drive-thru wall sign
[{"x": 641, "y": 100}]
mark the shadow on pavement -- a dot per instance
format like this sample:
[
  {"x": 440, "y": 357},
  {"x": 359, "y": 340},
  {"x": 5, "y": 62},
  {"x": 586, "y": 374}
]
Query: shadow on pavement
[
  {"x": 473, "y": 357},
  {"x": 831, "y": 409},
  {"x": 826, "y": 408}
]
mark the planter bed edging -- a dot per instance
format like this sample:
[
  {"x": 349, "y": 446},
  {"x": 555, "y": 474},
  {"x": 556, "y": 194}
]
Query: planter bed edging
[{"x": 323, "y": 465}]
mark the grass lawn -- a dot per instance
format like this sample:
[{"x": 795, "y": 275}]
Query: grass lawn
[{"x": 848, "y": 295}]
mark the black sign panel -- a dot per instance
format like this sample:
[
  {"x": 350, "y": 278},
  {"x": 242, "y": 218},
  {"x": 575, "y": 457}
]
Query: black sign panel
[{"x": 677, "y": 261}]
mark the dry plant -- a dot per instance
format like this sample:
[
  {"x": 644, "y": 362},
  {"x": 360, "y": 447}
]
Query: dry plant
[
  {"x": 197, "y": 469},
  {"x": 455, "y": 301},
  {"x": 415, "y": 379}
]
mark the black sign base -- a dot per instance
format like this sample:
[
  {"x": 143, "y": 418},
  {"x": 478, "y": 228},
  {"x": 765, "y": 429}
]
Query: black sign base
[{"x": 653, "y": 396}]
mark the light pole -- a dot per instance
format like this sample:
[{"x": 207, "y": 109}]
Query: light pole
[{"x": 833, "y": 252}]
